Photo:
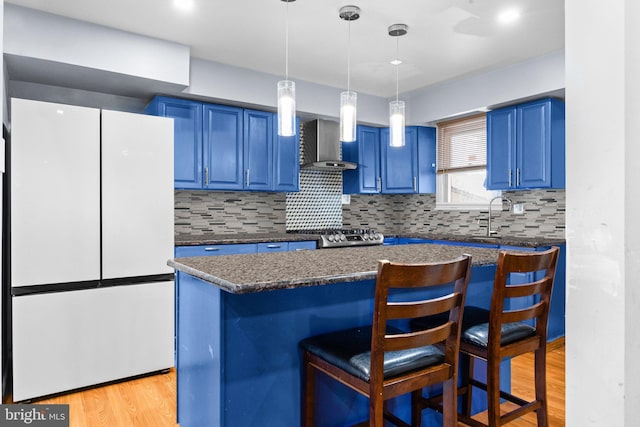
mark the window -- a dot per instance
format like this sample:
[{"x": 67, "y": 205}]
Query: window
[{"x": 461, "y": 164}]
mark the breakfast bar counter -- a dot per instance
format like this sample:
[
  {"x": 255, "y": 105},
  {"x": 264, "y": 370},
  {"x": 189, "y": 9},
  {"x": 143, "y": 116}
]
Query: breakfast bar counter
[
  {"x": 239, "y": 319},
  {"x": 240, "y": 274}
]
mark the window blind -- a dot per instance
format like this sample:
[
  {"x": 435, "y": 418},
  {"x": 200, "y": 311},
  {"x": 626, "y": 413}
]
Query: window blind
[{"x": 462, "y": 144}]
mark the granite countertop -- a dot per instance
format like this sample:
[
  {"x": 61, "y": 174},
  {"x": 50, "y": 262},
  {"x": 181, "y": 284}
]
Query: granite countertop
[
  {"x": 226, "y": 239},
  {"x": 223, "y": 239},
  {"x": 531, "y": 242},
  {"x": 241, "y": 274}
]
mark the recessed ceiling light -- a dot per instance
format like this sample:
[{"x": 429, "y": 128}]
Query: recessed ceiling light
[
  {"x": 184, "y": 5},
  {"x": 508, "y": 16},
  {"x": 396, "y": 62}
]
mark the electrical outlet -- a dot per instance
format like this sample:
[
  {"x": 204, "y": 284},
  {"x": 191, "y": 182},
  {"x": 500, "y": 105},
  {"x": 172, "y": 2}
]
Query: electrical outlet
[
  {"x": 346, "y": 199},
  {"x": 518, "y": 209}
]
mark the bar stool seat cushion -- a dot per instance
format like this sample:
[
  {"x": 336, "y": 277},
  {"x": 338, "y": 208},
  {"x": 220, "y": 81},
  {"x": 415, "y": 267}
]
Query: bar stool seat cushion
[
  {"x": 350, "y": 350},
  {"x": 475, "y": 327}
]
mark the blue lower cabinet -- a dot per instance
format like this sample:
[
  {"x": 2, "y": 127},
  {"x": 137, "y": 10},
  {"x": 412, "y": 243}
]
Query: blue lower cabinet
[
  {"x": 412, "y": 240},
  {"x": 286, "y": 246},
  {"x": 273, "y": 247},
  {"x": 231, "y": 344},
  {"x": 390, "y": 241},
  {"x": 210, "y": 250},
  {"x": 303, "y": 246},
  {"x": 242, "y": 248}
]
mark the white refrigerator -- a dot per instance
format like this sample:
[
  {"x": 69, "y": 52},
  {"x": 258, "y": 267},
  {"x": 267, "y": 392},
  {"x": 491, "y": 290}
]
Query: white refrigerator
[{"x": 91, "y": 230}]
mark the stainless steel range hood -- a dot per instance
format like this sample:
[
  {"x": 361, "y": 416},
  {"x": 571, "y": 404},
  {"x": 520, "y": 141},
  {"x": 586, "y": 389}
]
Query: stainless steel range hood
[{"x": 321, "y": 148}]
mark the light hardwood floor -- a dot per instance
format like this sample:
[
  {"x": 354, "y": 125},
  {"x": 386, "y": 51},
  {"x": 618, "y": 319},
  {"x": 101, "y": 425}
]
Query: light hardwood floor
[{"x": 150, "y": 401}]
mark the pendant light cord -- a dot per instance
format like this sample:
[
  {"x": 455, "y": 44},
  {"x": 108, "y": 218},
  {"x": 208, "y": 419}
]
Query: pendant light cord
[
  {"x": 398, "y": 65},
  {"x": 349, "y": 57},
  {"x": 286, "y": 43}
]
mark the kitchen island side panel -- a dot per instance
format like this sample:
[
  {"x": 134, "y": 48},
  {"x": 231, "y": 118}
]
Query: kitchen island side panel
[{"x": 239, "y": 363}]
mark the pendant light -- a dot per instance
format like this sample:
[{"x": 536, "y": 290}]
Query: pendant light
[
  {"x": 348, "y": 99},
  {"x": 286, "y": 91},
  {"x": 396, "y": 108}
]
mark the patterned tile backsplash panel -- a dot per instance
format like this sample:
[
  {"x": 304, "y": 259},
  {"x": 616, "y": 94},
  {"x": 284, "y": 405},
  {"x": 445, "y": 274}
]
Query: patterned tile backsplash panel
[
  {"x": 317, "y": 205},
  {"x": 228, "y": 212},
  {"x": 544, "y": 215}
]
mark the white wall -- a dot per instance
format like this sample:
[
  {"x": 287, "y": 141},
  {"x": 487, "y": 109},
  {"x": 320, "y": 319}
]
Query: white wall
[
  {"x": 50, "y": 49},
  {"x": 536, "y": 76},
  {"x": 229, "y": 84},
  {"x": 35, "y": 34},
  {"x": 603, "y": 197},
  {"x": 4, "y": 120}
]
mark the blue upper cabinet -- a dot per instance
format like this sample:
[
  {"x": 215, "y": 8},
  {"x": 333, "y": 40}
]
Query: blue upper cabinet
[
  {"x": 501, "y": 146},
  {"x": 187, "y": 125},
  {"x": 391, "y": 170},
  {"x": 223, "y": 148},
  {"x": 526, "y": 146},
  {"x": 399, "y": 165},
  {"x": 365, "y": 151},
  {"x": 286, "y": 159},
  {"x": 258, "y": 150},
  {"x": 426, "y": 159},
  {"x": 227, "y": 148}
]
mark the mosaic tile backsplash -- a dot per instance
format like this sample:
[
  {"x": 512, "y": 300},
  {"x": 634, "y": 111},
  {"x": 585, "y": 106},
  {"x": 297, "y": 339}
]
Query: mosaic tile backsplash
[
  {"x": 229, "y": 212},
  {"x": 544, "y": 215},
  {"x": 200, "y": 212}
]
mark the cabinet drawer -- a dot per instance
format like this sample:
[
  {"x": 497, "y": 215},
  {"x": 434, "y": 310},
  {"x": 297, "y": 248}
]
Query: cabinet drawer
[
  {"x": 212, "y": 250},
  {"x": 273, "y": 247},
  {"x": 302, "y": 246}
]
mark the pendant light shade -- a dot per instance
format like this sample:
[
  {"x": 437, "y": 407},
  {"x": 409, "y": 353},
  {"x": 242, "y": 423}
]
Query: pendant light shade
[
  {"x": 348, "y": 101},
  {"x": 396, "y": 123},
  {"x": 396, "y": 108},
  {"x": 286, "y": 108},
  {"x": 348, "y": 98},
  {"x": 286, "y": 91}
]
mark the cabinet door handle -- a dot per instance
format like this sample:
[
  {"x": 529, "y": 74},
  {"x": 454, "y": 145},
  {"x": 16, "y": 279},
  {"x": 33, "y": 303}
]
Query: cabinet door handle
[
  {"x": 510, "y": 180},
  {"x": 379, "y": 185},
  {"x": 518, "y": 178},
  {"x": 206, "y": 176},
  {"x": 211, "y": 249},
  {"x": 248, "y": 175},
  {"x": 273, "y": 246},
  {"x": 415, "y": 184}
]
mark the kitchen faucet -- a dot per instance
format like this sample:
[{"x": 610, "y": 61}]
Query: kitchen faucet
[{"x": 502, "y": 199}]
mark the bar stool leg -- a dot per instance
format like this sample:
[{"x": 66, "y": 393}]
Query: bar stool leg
[
  {"x": 416, "y": 408},
  {"x": 467, "y": 377},
  {"x": 540, "y": 360},
  {"x": 309, "y": 388},
  {"x": 493, "y": 391},
  {"x": 450, "y": 403}
]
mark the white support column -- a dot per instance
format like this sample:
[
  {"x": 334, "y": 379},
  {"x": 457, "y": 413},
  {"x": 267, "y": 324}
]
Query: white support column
[{"x": 603, "y": 198}]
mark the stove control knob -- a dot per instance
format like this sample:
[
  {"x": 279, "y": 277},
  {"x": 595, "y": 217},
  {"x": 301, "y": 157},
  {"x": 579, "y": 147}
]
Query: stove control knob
[
  {"x": 342, "y": 237},
  {"x": 330, "y": 237},
  {"x": 365, "y": 236},
  {"x": 377, "y": 236}
]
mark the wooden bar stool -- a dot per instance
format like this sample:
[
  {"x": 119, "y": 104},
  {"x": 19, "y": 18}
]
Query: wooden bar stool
[
  {"x": 385, "y": 359},
  {"x": 504, "y": 332}
]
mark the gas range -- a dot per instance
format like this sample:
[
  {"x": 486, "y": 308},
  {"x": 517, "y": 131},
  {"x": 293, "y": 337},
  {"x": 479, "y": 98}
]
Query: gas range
[{"x": 339, "y": 238}]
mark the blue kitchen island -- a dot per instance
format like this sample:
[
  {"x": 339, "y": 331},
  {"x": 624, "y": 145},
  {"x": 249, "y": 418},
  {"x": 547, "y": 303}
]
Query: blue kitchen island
[{"x": 239, "y": 319}]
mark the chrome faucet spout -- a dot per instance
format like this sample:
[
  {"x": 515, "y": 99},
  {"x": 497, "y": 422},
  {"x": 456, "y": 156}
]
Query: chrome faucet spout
[{"x": 502, "y": 199}]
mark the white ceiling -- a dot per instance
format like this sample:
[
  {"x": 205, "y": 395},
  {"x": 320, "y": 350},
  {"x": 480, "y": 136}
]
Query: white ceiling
[{"x": 447, "y": 39}]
